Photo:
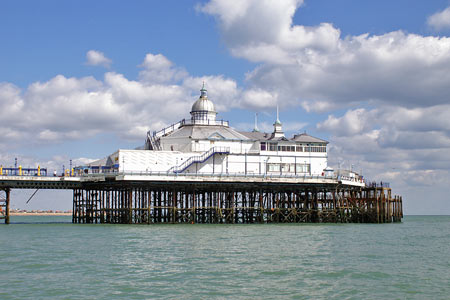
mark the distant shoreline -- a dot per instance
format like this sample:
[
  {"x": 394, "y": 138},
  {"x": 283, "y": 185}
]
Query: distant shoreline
[{"x": 39, "y": 214}]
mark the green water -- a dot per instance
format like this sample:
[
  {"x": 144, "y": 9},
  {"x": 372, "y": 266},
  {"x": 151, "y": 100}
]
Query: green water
[{"x": 53, "y": 260}]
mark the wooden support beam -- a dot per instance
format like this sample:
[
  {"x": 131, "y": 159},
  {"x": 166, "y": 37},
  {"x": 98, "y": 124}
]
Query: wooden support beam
[{"x": 197, "y": 203}]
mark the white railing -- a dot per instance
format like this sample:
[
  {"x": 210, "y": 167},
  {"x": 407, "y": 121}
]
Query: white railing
[
  {"x": 153, "y": 138},
  {"x": 166, "y": 175},
  {"x": 175, "y": 126},
  {"x": 199, "y": 174},
  {"x": 204, "y": 122},
  {"x": 199, "y": 159}
]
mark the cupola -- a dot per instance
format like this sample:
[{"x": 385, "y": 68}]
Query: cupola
[{"x": 203, "y": 109}]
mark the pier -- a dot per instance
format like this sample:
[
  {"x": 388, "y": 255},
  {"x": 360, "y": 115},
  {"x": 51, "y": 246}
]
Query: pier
[
  {"x": 203, "y": 171},
  {"x": 192, "y": 198}
]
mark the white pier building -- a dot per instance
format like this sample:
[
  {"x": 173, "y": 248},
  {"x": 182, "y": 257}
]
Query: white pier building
[{"x": 205, "y": 146}]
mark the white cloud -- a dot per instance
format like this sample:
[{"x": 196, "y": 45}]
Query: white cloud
[
  {"x": 318, "y": 69},
  {"x": 158, "y": 69},
  {"x": 405, "y": 140},
  {"x": 97, "y": 58},
  {"x": 393, "y": 143},
  {"x": 259, "y": 99},
  {"x": 440, "y": 20},
  {"x": 63, "y": 109},
  {"x": 353, "y": 122}
]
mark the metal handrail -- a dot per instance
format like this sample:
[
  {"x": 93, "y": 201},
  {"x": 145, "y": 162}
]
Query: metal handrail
[
  {"x": 199, "y": 159},
  {"x": 5, "y": 171},
  {"x": 153, "y": 138},
  {"x": 183, "y": 122},
  {"x": 204, "y": 122},
  {"x": 374, "y": 184},
  {"x": 204, "y": 174}
]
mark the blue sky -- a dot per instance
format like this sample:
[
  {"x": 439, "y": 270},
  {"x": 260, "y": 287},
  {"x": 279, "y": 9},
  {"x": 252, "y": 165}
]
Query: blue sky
[
  {"x": 41, "y": 39},
  {"x": 369, "y": 76}
]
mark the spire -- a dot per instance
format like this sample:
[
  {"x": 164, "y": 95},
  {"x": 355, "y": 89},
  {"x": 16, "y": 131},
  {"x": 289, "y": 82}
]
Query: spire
[
  {"x": 203, "y": 91},
  {"x": 256, "y": 123},
  {"x": 277, "y": 127},
  {"x": 278, "y": 117}
]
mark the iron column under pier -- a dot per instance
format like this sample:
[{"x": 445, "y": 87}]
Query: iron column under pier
[
  {"x": 193, "y": 202},
  {"x": 5, "y": 200}
]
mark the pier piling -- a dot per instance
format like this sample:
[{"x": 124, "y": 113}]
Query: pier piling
[
  {"x": 234, "y": 203},
  {"x": 5, "y": 200}
]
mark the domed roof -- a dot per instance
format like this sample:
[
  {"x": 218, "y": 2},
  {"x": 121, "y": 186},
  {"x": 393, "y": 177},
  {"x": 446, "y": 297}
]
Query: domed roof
[{"x": 203, "y": 103}]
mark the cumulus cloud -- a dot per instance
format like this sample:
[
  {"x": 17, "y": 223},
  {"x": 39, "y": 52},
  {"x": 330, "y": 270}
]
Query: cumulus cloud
[
  {"x": 440, "y": 20},
  {"x": 259, "y": 99},
  {"x": 318, "y": 69},
  {"x": 158, "y": 69},
  {"x": 353, "y": 122},
  {"x": 392, "y": 87},
  {"x": 402, "y": 144},
  {"x": 62, "y": 108},
  {"x": 97, "y": 58}
]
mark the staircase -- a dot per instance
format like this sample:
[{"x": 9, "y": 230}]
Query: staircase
[
  {"x": 153, "y": 139},
  {"x": 199, "y": 159},
  {"x": 152, "y": 142}
]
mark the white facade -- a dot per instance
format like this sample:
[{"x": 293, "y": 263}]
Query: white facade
[{"x": 203, "y": 145}]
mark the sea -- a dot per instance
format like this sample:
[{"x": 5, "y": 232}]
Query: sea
[{"x": 47, "y": 257}]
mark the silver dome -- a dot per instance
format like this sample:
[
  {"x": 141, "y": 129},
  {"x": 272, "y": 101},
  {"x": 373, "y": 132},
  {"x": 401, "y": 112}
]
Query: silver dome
[
  {"x": 203, "y": 104},
  {"x": 203, "y": 109}
]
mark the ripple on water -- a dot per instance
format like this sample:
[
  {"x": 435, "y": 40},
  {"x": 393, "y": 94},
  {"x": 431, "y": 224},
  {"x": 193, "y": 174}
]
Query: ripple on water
[{"x": 345, "y": 261}]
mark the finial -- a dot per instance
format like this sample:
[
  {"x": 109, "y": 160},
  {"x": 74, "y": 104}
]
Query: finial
[
  {"x": 203, "y": 90},
  {"x": 256, "y": 123},
  {"x": 278, "y": 117}
]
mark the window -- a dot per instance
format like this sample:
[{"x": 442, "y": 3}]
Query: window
[
  {"x": 273, "y": 167},
  {"x": 316, "y": 148},
  {"x": 263, "y": 146},
  {"x": 272, "y": 147},
  {"x": 303, "y": 168},
  {"x": 299, "y": 148},
  {"x": 286, "y": 148},
  {"x": 288, "y": 168}
]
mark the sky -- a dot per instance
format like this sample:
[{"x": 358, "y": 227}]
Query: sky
[{"x": 81, "y": 79}]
